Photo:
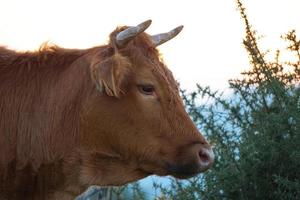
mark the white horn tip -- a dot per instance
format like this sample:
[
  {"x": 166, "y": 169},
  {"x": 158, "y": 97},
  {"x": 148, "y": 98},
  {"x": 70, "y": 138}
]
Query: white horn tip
[
  {"x": 177, "y": 30},
  {"x": 146, "y": 24}
]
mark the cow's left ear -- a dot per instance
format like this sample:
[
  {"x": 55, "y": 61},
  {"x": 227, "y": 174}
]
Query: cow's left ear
[{"x": 110, "y": 74}]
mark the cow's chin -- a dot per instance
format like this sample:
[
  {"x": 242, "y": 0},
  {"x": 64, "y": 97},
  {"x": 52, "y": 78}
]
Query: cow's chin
[
  {"x": 175, "y": 170},
  {"x": 164, "y": 170},
  {"x": 183, "y": 171},
  {"x": 184, "y": 176},
  {"x": 177, "y": 175}
]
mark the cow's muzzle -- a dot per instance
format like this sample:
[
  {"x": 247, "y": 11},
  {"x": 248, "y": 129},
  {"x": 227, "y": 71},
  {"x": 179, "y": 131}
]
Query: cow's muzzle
[{"x": 193, "y": 160}]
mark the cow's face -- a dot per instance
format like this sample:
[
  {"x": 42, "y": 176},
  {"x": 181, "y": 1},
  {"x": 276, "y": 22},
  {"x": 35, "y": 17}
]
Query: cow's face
[{"x": 136, "y": 124}]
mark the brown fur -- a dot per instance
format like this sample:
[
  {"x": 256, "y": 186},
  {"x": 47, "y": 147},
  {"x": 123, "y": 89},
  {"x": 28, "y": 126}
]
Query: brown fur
[{"x": 72, "y": 118}]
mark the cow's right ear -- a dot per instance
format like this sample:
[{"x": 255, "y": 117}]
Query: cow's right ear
[{"x": 110, "y": 74}]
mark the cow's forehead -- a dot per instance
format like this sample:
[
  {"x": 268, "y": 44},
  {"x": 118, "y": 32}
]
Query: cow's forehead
[
  {"x": 143, "y": 53},
  {"x": 164, "y": 72},
  {"x": 155, "y": 64}
]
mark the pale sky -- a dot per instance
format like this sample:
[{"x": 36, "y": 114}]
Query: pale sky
[{"x": 208, "y": 51}]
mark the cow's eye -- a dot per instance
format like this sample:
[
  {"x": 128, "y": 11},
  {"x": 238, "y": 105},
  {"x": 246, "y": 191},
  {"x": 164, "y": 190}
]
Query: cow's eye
[{"x": 146, "y": 89}]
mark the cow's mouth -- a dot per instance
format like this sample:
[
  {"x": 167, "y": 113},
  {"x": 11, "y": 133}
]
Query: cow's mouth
[
  {"x": 183, "y": 171},
  {"x": 184, "y": 176}
]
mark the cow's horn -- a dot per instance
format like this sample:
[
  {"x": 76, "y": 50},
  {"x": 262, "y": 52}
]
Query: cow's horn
[
  {"x": 164, "y": 37},
  {"x": 128, "y": 34}
]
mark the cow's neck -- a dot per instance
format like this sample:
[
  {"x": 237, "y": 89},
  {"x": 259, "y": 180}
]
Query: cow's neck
[{"x": 42, "y": 111}]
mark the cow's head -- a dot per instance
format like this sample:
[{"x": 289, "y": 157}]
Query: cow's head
[{"x": 135, "y": 123}]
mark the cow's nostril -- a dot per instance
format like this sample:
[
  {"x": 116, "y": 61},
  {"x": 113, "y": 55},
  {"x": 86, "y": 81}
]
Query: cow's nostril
[{"x": 206, "y": 157}]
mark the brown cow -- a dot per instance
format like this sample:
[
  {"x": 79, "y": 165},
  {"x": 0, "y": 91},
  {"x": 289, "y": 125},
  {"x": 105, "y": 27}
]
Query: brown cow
[{"x": 107, "y": 115}]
